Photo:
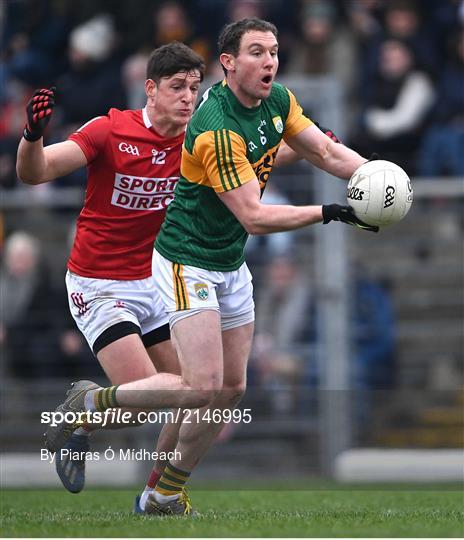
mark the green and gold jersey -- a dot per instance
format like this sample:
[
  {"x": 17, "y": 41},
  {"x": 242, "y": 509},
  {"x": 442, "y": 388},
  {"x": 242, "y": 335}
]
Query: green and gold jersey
[{"x": 226, "y": 146}]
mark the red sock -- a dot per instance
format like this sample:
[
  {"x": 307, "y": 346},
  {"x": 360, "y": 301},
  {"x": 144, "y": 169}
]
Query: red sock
[{"x": 153, "y": 478}]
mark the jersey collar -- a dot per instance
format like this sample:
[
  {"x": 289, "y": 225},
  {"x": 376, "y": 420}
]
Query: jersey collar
[{"x": 146, "y": 120}]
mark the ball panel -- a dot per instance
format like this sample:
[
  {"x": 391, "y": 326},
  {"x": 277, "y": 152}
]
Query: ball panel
[
  {"x": 390, "y": 198},
  {"x": 358, "y": 193},
  {"x": 380, "y": 193}
]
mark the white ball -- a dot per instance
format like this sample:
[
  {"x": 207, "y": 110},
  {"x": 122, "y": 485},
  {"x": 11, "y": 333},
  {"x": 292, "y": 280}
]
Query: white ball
[{"x": 380, "y": 193}]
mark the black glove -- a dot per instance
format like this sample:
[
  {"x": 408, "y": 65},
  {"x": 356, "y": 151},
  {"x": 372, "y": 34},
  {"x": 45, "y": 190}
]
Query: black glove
[
  {"x": 39, "y": 111},
  {"x": 328, "y": 132},
  {"x": 336, "y": 212}
]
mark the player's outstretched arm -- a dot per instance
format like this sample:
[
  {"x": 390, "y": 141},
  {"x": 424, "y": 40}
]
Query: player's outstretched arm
[
  {"x": 323, "y": 152},
  {"x": 34, "y": 163},
  {"x": 287, "y": 156},
  {"x": 258, "y": 218}
]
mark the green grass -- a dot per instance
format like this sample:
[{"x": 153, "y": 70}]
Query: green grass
[{"x": 323, "y": 512}]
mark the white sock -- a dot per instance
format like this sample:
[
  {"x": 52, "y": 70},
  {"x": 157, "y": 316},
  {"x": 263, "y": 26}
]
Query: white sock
[
  {"x": 143, "y": 498},
  {"x": 159, "y": 497},
  {"x": 82, "y": 432},
  {"x": 89, "y": 401}
]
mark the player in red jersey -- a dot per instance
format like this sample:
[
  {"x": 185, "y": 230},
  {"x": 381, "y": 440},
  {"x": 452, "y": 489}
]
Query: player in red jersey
[{"x": 133, "y": 162}]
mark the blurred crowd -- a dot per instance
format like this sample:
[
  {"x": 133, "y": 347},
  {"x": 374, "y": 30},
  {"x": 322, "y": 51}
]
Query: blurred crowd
[
  {"x": 38, "y": 338},
  {"x": 399, "y": 63}
]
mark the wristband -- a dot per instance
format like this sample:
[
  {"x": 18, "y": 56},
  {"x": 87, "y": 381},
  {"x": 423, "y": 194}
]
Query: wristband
[{"x": 30, "y": 137}]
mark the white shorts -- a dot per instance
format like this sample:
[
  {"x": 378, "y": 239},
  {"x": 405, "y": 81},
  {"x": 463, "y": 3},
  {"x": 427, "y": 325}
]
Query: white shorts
[
  {"x": 100, "y": 304},
  {"x": 183, "y": 287}
]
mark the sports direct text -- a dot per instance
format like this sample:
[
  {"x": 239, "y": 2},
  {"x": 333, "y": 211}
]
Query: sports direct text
[
  {"x": 138, "y": 193},
  {"x": 118, "y": 416}
]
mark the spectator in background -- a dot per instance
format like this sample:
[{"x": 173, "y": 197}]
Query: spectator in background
[
  {"x": 169, "y": 22},
  {"x": 25, "y": 293},
  {"x": 373, "y": 334},
  {"x": 445, "y": 18},
  {"x": 32, "y": 44},
  {"x": 7, "y": 164},
  {"x": 235, "y": 10},
  {"x": 37, "y": 339},
  {"x": 93, "y": 83},
  {"x": 284, "y": 328},
  {"x": 403, "y": 20},
  {"x": 442, "y": 149},
  {"x": 244, "y": 9},
  {"x": 325, "y": 46},
  {"x": 365, "y": 17},
  {"x": 282, "y": 12},
  {"x": 398, "y": 101},
  {"x": 261, "y": 249},
  {"x": 366, "y": 25},
  {"x": 14, "y": 95},
  {"x": 34, "y": 40},
  {"x": 91, "y": 86}
]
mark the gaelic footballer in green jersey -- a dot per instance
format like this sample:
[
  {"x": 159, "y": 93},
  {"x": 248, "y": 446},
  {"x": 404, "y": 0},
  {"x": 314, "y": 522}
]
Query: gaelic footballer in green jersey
[{"x": 226, "y": 146}]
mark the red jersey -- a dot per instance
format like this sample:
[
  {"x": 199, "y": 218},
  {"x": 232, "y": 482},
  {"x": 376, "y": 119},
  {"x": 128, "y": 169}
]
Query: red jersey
[{"x": 132, "y": 173}]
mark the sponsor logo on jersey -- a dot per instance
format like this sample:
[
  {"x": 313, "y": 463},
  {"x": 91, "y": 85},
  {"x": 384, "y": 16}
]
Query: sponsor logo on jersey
[
  {"x": 201, "y": 290},
  {"x": 263, "y": 167},
  {"x": 119, "y": 304},
  {"x": 141, "y": 193},
  {"x": 252, "y": 146},
  {"x": 278, "y": 124},
  {"x": 389, "y": 196},
  {"x": 262, "y": 137},
  {"x": 129, "y": 148}
]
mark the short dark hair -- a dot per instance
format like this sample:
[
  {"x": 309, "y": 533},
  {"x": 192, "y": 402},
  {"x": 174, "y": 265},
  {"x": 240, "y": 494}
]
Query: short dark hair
[
  {"x": 172, "y": 58},
  {"x": 231, "y": 35}
]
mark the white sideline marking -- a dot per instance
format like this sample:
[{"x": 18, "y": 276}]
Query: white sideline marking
[{"x": 382, "y": 465}]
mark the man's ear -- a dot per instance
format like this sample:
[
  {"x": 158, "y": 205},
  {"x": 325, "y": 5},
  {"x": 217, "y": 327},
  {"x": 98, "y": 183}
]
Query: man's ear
[
  {"x": 228, "y": 61},
  {"x": 150, "y": 88}
]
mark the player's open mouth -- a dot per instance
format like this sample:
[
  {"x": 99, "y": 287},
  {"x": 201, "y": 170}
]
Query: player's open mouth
[{"x": 267, "y": 79}]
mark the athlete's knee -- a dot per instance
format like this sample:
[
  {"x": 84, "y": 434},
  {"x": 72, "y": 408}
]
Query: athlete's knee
[
  {"x": 209, "y": 381},
  {"x": 233, "y": 393},
  {"x": 202, "y": 391},
  {"x": 202, "y": 398},
  {"x": 208, "y": 389}
]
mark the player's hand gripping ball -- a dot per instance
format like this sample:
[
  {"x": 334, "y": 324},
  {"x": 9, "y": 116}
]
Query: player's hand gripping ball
[{"x": 380, "y": 193}]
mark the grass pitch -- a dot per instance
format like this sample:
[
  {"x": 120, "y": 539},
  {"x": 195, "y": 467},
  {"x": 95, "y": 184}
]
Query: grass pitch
[{"x": 402, "y": 512}]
